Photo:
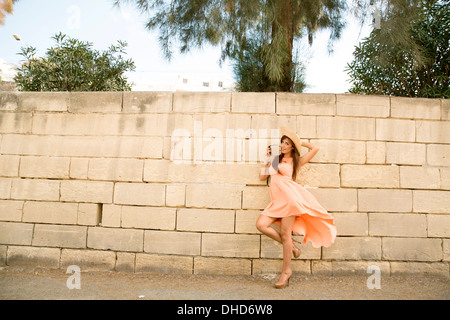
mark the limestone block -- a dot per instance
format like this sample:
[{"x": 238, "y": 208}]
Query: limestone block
[
  {"x": 412, "y": 249},
  {"x": 44, "y": 167},
  {"x": 405, "y": 153},
  {"x": 9, "y": 166},
  {"x": 307, "y": 126},
  {"x": 11, "y": 210},
  {"x": 88, "y": 260},
  {"x": 344, "y": 200},
  {"x": 207, "y": 220},
  {"x": 446, "y": 249},
  {"x": 431, "y": 201},
  {"x": 59, "y": 236},
  {"x": 274, "y": 250},
  {"x": 86, "y": 191},
  {"x": 89, "y": 214},
  {"x": 16, "y": 233},
  {"x": 34, "y": 189},
  {"x": 168, "y": 242},
  {"x": 43, "y": 101},
  {"x": 335, "y": 151},
  {"x": 419, "y": 177},
  {"x": 83, "y": 146},
  {"x": 268, "y": 125},
  {"x": 214, "y": 196},
  {"x": 376, "y": 152},
  {"x": 354, "y": 248},
  {"x": 140, "y": 194},
  {"x": 5, "y": 188},
  {"x": 170, "y": 171},
  {"x": 125, "y": 262},
  {"x": 9, "y": 101},
  {"x": 88, "y": 102},
  {"x": 433, "y": 269},
  {"x": 190, "y": 102},
  {"x": 306, "y": 104},
  {"x": 438, "y": 155},
  {"x": 351, "y": 223},
  {"x": 362, "y": 105},
  {"x": 346, "y": 128},
  {"x": 175, "y": 195},
  {"x": 445, "y": 178},
  {"x": 116, "y": 169},
  {"x": 33, "y": 257},
  {"x": 445, "y": 109},
  {"x": 79, "y": 168},
  {"x": 255, "y": 197},
  {"x": 415, "y": 108},
  {"x": 395, "y": 130},
  {"x": 3, "y": 255},
  {"x": 50, "y": 212},
  {"x": 148, "y": 217},
  {"x": 111, "y": 215},
  {"x": 230, "y": 245},
  {"x": 15, "y": 122},
  {"x": 385, "y": 200},
  {"x": 397, "y": 225},
  {"x": 251, "y": 102},
  {"x": 221, "y": 266},
  {"x": 164, "y": 264},
  {"x": 319, "y": 175},
  {"x": 153, "y": 102},
  {"x": 128, "y": 240},
  {"x": 438, "y": 225},
  {"x": 433, "y": 131},
  {"x": 246, "y": 221},
  {"x": 370, "y": 176}
]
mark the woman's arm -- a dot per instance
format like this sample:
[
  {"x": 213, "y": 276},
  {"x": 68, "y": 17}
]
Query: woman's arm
[{"x": 311, "y": 153}]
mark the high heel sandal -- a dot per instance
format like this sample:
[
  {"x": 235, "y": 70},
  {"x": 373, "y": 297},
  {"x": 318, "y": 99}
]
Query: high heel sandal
[
  {"x": 283, "y": 284},
  {"x": 295, "y": 250}
]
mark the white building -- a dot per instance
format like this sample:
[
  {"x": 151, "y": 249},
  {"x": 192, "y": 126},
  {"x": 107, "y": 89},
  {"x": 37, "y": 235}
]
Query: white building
[{"x": 159, "y": 81}]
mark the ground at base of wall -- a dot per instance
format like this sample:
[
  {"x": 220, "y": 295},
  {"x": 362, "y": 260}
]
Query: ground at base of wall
[{"x": 30, "y": 284}]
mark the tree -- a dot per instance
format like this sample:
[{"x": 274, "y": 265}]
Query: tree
[
  {"x": 6, "y": 6},
  {"x": 73, "y": 65},
  {"x": 416, "y": 63},
  {"x": 233, "y": 25}
]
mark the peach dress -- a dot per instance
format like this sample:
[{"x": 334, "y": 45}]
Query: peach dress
[{"x": 288, "y": 198}]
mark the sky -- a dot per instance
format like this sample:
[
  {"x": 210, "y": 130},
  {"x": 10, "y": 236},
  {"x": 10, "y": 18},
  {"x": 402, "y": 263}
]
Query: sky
[{"x": 101, "y": 23}]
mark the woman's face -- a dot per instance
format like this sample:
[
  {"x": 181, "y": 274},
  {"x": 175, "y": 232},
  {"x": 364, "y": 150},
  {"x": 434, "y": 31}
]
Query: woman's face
[{"x": 286, "y": 146}]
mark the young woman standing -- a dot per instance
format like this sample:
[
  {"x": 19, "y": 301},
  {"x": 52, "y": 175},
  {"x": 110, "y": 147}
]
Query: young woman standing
[{"x": 292, "y": 207}]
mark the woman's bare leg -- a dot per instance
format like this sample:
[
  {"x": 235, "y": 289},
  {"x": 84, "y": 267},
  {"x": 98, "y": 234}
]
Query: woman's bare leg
[
  {"x": 286, "y": 239},
  {"x": 264, "y": 223}
]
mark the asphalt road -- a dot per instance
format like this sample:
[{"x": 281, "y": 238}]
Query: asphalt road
[{"x": 27, "y": 284}]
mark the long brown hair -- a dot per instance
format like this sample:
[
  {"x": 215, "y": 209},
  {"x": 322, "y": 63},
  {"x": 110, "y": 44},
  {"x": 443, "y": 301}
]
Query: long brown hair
[{"x": 295, "y": 158}]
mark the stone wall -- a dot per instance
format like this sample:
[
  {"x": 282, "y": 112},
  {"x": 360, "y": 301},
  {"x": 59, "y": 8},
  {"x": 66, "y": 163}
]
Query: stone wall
[{"x": 168, "y": 182}]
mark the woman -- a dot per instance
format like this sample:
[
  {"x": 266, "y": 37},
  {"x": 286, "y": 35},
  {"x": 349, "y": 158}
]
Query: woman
[{"x": 292, "y": 207}]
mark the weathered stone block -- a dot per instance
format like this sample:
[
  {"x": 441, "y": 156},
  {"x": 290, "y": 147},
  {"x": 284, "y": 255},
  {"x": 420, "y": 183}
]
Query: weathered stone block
[
  {"x": 251, "y": 102},
  {"x": 143, "y": 194},
  {"x": 33, "y": 257},
  {"x": 169, "y": 242},
  {"x": 16, "y": 233},
  {"x": 230, "y": 245},
  {"x": 59, "y": 236},
  {"x": 148, "y": 217},
  {"x": 397, "y": 225},
  {"x": 206, "y": 220},
  {"x": 385, "y": 200},
  {"x": 306, "y": 104},
  {"x": 115, "y": 239},
  {"x": 86, "y": 191},
  {"x": 164, "y": 264},
  {"x": 373, "y": 176},
  {"x": 412, "y": 249}
]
